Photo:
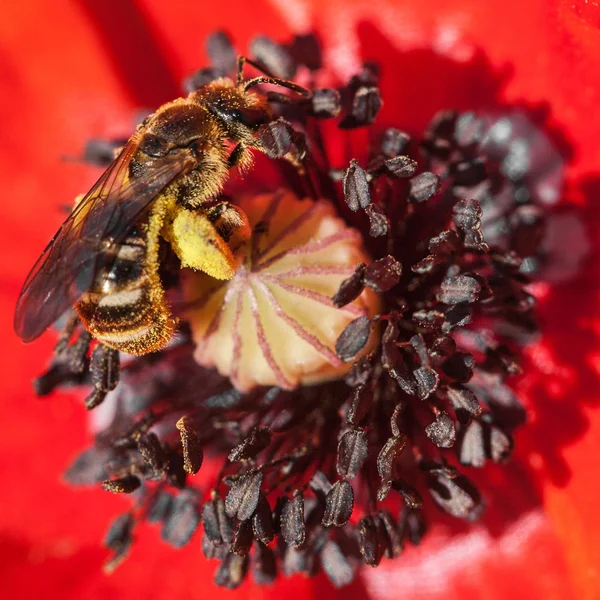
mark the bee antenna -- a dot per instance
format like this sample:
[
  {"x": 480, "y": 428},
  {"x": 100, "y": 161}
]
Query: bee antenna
[
  {"x": 280, "y": 82},
  {"x": 268, "y": 77}
]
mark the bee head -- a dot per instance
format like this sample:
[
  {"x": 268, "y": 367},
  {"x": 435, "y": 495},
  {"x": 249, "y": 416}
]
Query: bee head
[
  {"x": 240, "y": 112},
  {"x": 174, "y": 126}
]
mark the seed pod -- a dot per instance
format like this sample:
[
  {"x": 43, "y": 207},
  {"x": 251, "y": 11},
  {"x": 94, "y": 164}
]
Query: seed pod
[
  {"x": 392, "y": 533},
  {"x": 277, "y": 138},
  {"x": 411, "y": 496},
  {"x": 464, "y": 402},
  {"x": 412, "y": 525},
  {"x": 274, "y": 56},
  {"x": 221, "y": 52},
  {"x": 427, "y": 381},
  {"x": 467, "y": 218},
  {"x": 394, "y": 142}
]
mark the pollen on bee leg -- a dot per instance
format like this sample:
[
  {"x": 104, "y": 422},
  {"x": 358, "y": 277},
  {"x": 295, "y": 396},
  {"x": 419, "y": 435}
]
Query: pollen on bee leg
[
  {"x": 274, "y": 322},
  {"x": 199, "y": 246}
]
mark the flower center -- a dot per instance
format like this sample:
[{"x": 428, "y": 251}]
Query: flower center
[
  {"x": 356, "y": 363},
  {"x": 275, "y": 322}
]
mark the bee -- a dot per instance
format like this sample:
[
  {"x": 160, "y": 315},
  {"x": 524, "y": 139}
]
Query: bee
[{"x": 164, "y": 184}]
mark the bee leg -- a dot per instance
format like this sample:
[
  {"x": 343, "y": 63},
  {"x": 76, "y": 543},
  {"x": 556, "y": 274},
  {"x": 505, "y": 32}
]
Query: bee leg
[
  {"x": 236, "y": 155},
  {"x": 241, "y": 157},
  {"x": 104, "y": 369},
  {"x": 198, "y": 244},
  {"x": 242, "y": 60},
  {"x": 228, "y": 220}
]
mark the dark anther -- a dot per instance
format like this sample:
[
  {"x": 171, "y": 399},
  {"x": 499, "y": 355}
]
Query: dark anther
[
  {"x": 221, "y": 52},
  {"x": 182, "y": 520},
  {"x": 453, "y": 492},
  {"x": 262, "y": 521},
  {"x": 122, "y": 485},
  {"x": 394, "y": 142},
  {"x": 292, "y": 520},
  {"x": 351, "y": 288},
  {"x": 275, "y": 57},
  {"x": 326, "y": 103},
  {"x": 379, "y": 223},
  {"x": 356, "y": 187},
  {"x": 218, "y": 525},
  {"x": 242, "y": 498},
  {"x": 386, "y": 461},
  {"x": 119, "y": 539},
  {"x": 257, "y": 441},
  {"x": 442, "y": 432},
  {"x": 372, "y": 539},
  {"x": 338, "y": 504},
  {"x": 423, "y": 186},
  {"x": 383, "y": 274},
  {"x": 353, "y": 339},
  {"x": 192, "y": 450},
  {"x": 352, "y": 452}
]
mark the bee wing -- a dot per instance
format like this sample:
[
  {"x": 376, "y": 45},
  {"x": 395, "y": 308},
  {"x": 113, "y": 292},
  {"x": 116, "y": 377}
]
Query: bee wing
[{"x": 67, "y": 267}]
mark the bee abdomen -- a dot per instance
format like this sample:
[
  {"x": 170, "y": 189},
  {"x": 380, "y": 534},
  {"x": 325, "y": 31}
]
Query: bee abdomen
[{"x": 126, "y": 308}]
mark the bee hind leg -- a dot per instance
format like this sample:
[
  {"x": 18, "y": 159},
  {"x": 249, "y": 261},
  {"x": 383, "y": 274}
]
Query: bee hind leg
[{"x": 105, "y": 373}]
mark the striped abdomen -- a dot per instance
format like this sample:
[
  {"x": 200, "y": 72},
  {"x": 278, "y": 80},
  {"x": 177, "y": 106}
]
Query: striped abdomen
[{"x": 125, "y": 308}]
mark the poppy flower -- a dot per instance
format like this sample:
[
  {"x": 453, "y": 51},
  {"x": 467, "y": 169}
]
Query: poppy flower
[{"x": 73, "y": 71}]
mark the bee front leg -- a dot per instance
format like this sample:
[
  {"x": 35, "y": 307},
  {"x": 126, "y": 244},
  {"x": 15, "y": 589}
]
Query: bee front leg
[
  {"x": 205, "y": 240},
  {"x": 241, "y": 157},
  {"x": 231, "y": 223}
]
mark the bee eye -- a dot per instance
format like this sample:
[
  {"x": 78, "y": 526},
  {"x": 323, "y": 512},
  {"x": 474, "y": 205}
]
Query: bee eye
[
  {"x": 154, "y": 146},
  {"x": 250, "y": 117}
]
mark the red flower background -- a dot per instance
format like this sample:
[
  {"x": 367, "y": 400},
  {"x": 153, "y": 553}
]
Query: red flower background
[{"x": 75, "y": 69}]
